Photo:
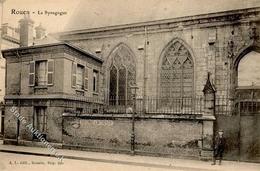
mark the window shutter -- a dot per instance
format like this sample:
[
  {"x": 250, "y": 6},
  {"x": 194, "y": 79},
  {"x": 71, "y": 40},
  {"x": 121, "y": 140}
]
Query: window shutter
[
  {"x": 32, "y": 73},
  {"x": 86, "y": 78},
  {"x": 97, "y": 84},
  {"x": 50, "y": 72},
  {"x": 74, "y": 75},
  {"x": 95, "y": 81}
]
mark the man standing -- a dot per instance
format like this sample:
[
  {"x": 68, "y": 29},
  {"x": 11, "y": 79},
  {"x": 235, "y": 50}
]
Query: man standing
[{"x": 219, "y": 147}]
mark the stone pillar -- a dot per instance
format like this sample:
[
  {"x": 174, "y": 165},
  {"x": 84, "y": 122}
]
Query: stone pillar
[
  {"x": 209, "y": 98},
  {"x": 208, "y": 120}
]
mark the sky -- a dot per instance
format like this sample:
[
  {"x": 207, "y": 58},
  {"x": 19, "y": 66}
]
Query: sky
[
  {"x": 98, "y": 13},
  {"x": 249, "y": 75},
  {"x": 51, "y": 22},
  {"x": 83, "y": 14}
]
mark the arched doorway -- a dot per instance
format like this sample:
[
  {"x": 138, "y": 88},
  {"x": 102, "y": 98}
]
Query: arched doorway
[
  {"x": 247, "y": 69},
  {"x": 176, "y": 76},
  {"x": 122, "y": 74}
]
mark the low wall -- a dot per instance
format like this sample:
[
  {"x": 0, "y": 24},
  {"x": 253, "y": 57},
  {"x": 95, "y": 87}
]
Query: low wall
[
  {"x": 153, "y": 135},
  {"x": 173, "y": 137},
  {"x": 97, "y": 133}
]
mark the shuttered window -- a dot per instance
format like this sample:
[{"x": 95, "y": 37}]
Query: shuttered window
[
  {"x": 86, "y": 78},
  {"x": 74, "y": 75},
  {"x": 32, "y": 73},
  {"x": 41, "y": 73},
  {"x": 50, "y": 72},
  {"x": 79, "y": 77},
  {"x": 95, "y": 81}
]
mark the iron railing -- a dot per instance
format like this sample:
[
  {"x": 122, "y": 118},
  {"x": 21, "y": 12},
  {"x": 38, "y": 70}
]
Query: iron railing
[
  {"x": 222, "y": 106},
  {"x": 247, "y": 106},
  {"x": 174, "y": 105},
  {"x": 152, "y": 105},
  {"x": 244, "y": 106}
]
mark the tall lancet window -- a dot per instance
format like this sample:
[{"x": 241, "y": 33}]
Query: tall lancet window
[
  {"x": 176, "y": 74},
  {"x": 122, "y": 76}
]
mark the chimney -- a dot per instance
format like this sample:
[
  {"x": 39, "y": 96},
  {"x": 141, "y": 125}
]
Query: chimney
[
  {"x": 40, "y": 32},
  {"x": 26, "y": 31}
]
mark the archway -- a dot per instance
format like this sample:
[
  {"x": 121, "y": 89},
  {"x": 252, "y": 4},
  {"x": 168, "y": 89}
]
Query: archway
[
  {"x": 122, "y": 74},
  {"x": 247, "y": 96},
  {"x": 249, "y": 70}
]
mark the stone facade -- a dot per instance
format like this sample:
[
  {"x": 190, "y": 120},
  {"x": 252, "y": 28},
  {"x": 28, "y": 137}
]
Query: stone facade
[
  {"x": 215, "y": 43},
  {"x": 207, "y": 37}
]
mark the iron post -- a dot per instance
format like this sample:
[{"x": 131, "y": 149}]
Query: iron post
[{"x": 134, "y": 88}]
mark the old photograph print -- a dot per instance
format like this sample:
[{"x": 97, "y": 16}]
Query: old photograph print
[{"x": 130, "y": 85}]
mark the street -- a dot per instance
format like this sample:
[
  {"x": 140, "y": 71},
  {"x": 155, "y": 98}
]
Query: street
[
  {"x": 22, "y": 158},
  {"x": 19, "y": 162}
]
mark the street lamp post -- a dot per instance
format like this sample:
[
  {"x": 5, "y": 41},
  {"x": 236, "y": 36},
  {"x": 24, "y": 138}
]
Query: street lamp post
[{"x": 133, "y": 88}]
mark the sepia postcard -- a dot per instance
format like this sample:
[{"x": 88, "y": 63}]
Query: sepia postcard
[{"x": 115, "y": 85}]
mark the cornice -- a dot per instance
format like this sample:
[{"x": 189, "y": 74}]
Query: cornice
[
  {"x": 46, "y": 48},
  {"x": 196, "y": 21}
]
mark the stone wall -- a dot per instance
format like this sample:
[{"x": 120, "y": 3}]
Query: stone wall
[
  {"x": 171, "y": 137},
  {"x": 10, "y": 123},
  {"x": 175, "y": 138},
  {"x": 99, "y": 134}
]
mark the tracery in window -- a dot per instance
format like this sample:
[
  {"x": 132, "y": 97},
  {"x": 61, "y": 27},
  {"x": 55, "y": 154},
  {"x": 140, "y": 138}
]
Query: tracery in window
[
  {"x": 122, "y": 76},
  {"x": 176, "y": 74}
]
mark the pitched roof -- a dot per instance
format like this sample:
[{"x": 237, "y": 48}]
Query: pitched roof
[{"x": 54, "y": 44}]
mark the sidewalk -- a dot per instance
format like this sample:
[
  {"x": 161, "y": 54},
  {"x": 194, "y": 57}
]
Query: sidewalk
[{"x": 156, "y": 162}]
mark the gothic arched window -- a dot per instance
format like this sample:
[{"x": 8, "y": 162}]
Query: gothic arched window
[
  {"x": 176, "y": 73},
  {"x": 122, "y": 76}
]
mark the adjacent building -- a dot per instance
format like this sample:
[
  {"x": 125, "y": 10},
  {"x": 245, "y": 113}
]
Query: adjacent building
[
  {"x": 44, "y": 81},
  {"x": 14, "y": 37},
  {"x": 9, "y": 39}
]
